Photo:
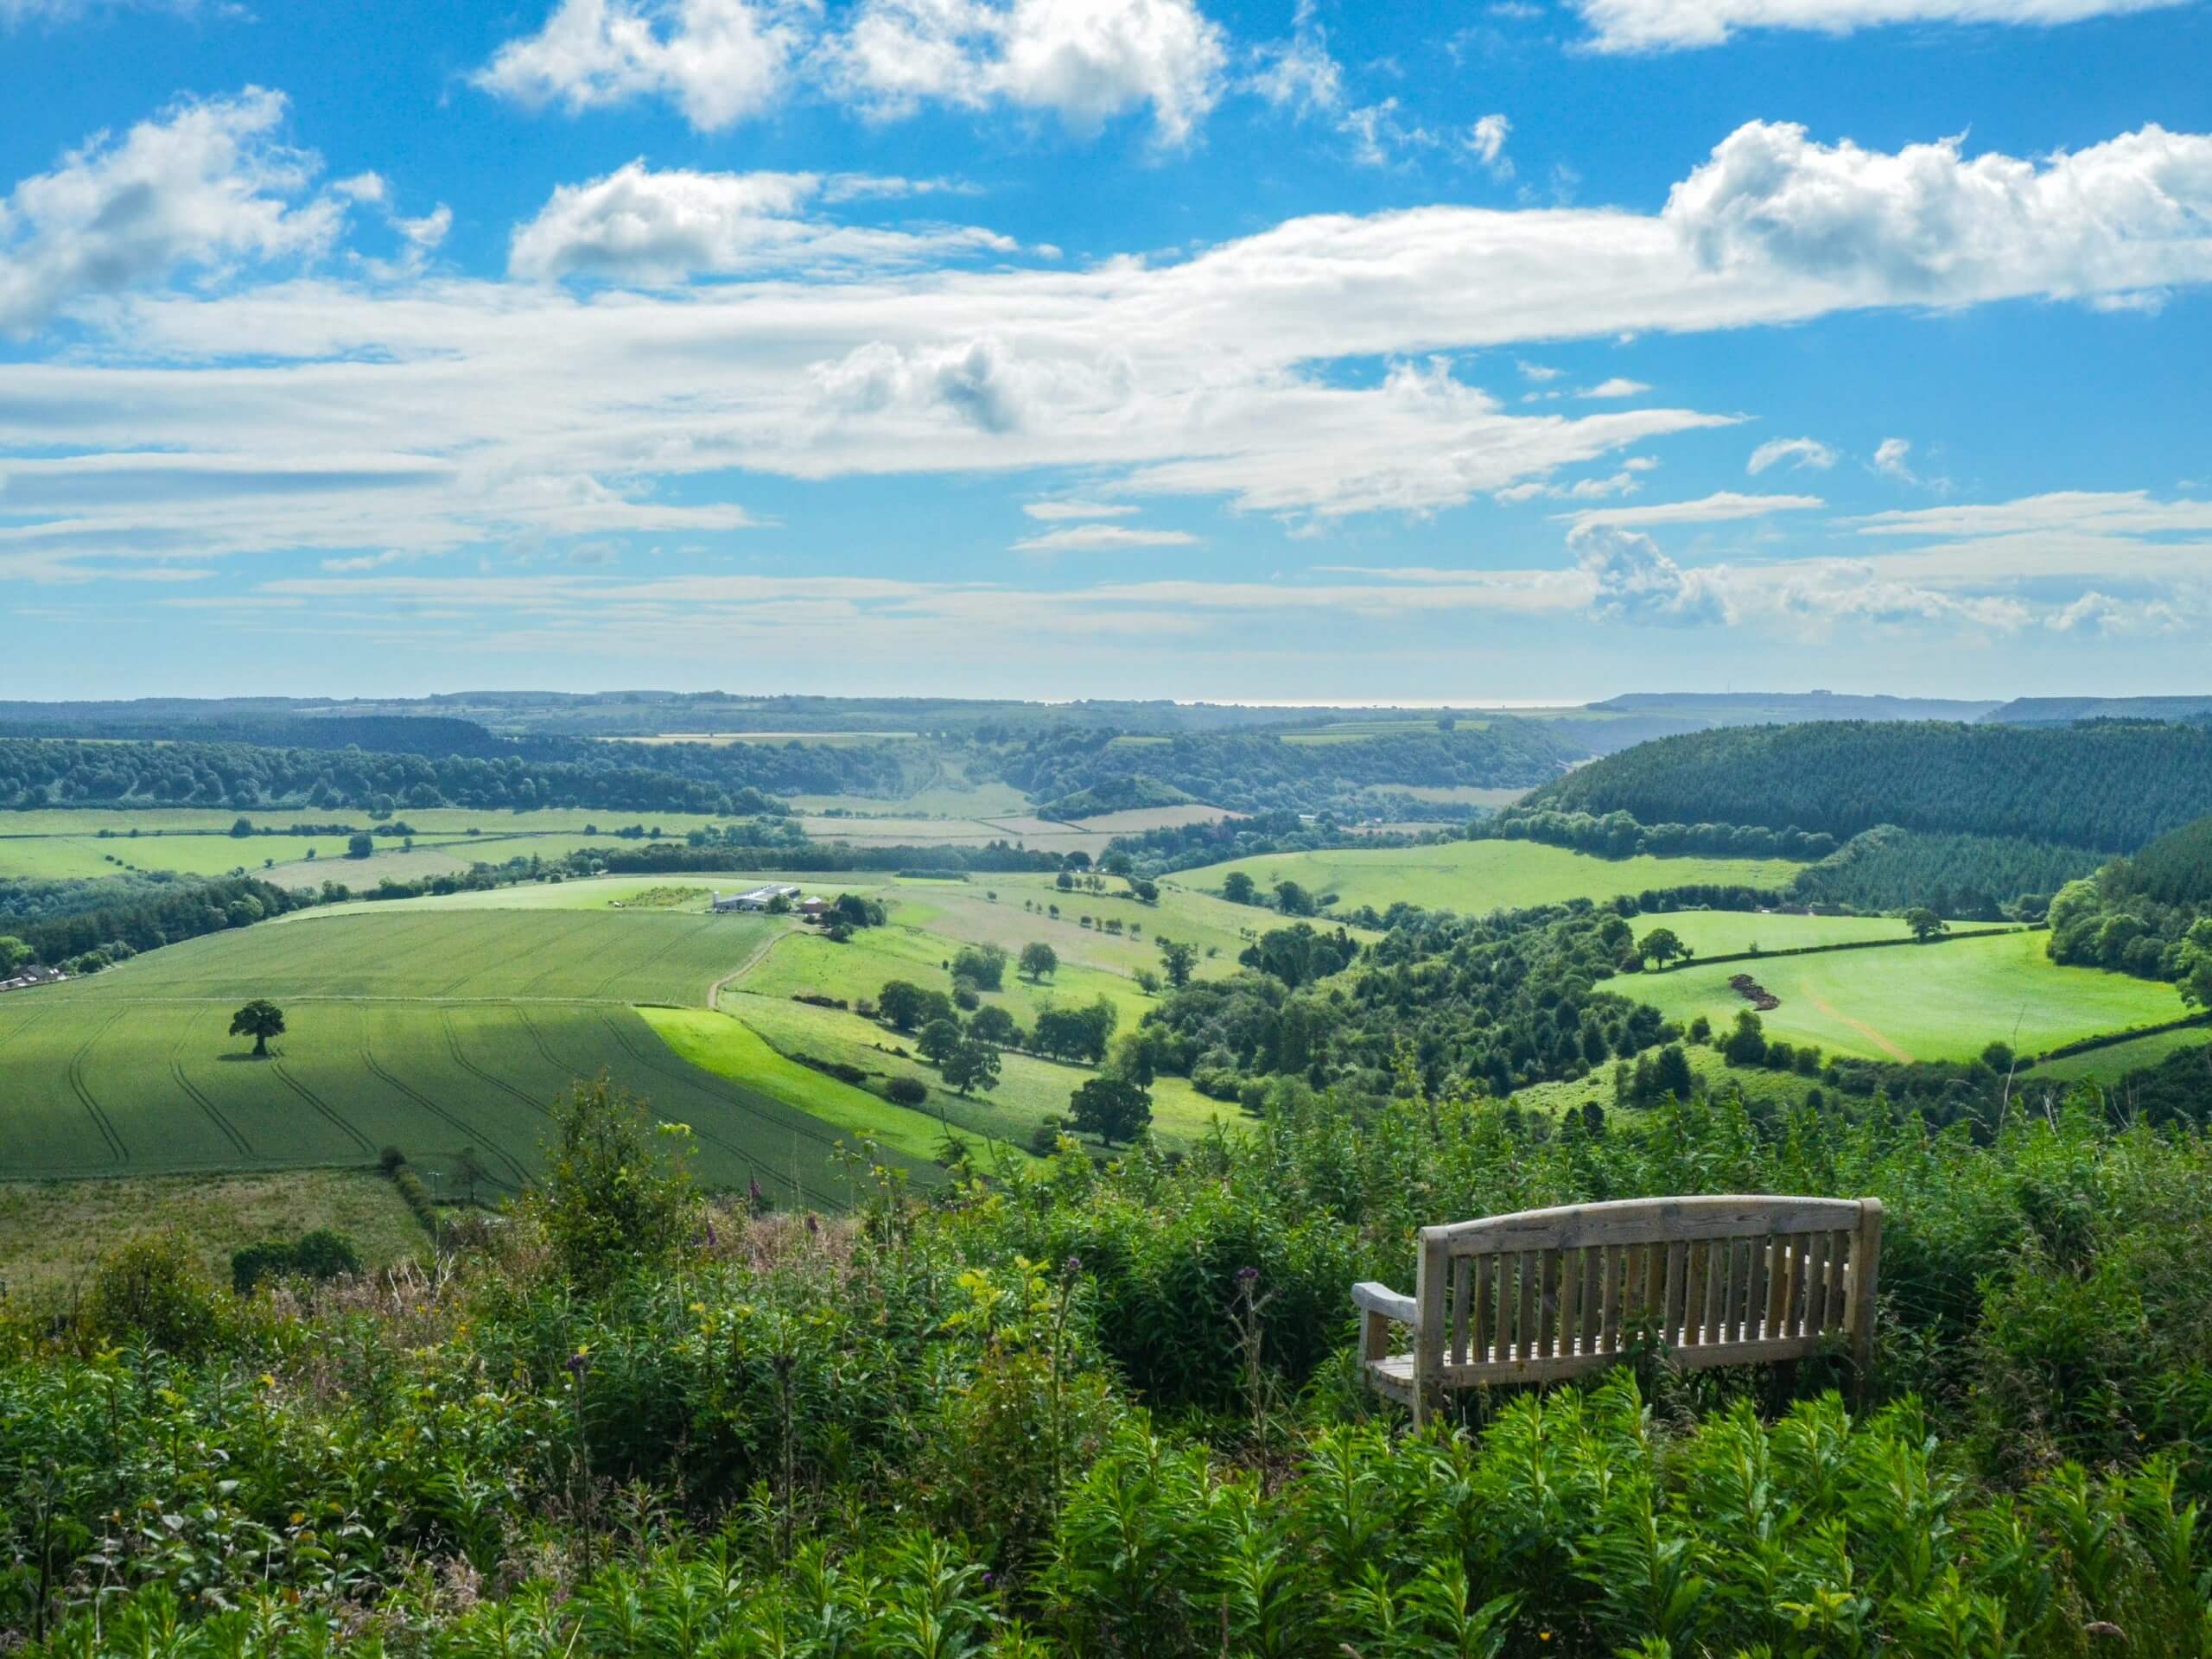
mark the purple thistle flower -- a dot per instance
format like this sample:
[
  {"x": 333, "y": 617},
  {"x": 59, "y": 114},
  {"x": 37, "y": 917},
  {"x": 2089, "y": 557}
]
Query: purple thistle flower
[{"x": 1247, "y": 1276}]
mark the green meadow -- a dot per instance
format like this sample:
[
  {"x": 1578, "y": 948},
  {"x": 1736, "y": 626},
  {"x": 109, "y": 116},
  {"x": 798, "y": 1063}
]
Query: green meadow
[
  {"x": 1476, "y": 877},
  {"x": 1940, "y": 1002},
  {"x": 1731, "y": 932}
]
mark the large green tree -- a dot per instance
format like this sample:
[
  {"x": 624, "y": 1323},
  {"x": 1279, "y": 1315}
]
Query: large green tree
[
  {"x": 1039, "y": 961},
  {"x": 1179, "y": 961},
  {"x": 1113, "y": 1108},
  {"x": 259, "y": 1020}
]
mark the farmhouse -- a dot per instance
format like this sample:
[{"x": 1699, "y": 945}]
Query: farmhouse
[
  {"x": 758, "y": 898},
  {"x": 31, "y": 976}
]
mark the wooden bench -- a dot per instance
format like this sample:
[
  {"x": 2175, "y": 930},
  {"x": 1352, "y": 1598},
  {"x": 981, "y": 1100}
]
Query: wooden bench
[{"x": 1550, "y": 1294}]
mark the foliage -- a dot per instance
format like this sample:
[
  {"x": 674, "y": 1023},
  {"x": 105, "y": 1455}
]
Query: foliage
[
  {"x": 1966, "y": 877},
  {"x": 259, "y": 1020},
  {"x": 318, "y": 1255},
  {"x": 1111, "y": 1107},
  {"x": 1262, "y": 770},
  {"x": 2040, "y": 784},
  {"x": 613, "y": 1198}
]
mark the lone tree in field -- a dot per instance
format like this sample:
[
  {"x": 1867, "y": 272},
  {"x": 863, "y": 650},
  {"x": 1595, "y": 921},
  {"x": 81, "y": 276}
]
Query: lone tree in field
[
  {"x": 1180, "y": 960},
  {"x": 1925, "y": 923},
  {"x": 1039, "y": 961},
  {"x": 1113, "y": 1108},
  {"x": 259, "y": 1020},
  {"x": 1237, "y": 887},
  {"x": 1661, "y": 945}
]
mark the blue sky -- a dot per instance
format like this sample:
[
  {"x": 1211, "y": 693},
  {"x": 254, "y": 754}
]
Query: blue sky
[{"x": 1106, "y": 347}]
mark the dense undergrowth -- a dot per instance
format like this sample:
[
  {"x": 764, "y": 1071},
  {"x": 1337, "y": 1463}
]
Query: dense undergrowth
[{"x": 1111, "y": 1411}]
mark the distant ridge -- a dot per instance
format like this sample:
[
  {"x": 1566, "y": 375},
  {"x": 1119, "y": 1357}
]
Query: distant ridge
[
  {"x": 1758, "y": 708},
  {"x": 2063, "y": 711}
]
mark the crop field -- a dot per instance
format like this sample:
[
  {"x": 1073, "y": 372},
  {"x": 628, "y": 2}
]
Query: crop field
[
  {"x": 1047, "y": 835},
  {"x": 1922, "y": 1002},
  {"x": 446, "y": 955},
  {"x": 816, "y": 739},
  {"x": 430, "y": 1029},
  {"x": 1137, "y": 819},
  {"x": 1476, "y": 877},
  {"x": 121, "y": 1087},
  {"x": 940, "y": 800}
]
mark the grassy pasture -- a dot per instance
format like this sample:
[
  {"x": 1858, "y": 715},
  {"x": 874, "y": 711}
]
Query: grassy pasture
[
  {"x": 1921, "y": 1002},
  {"x": 1029, "y": 1088},
  {"x": 1727, "y": 932},
  {"x": 1475, "y": 877},
  {"x": 52, "y": 1233},
  {"x": 2110, "y": 1063}
]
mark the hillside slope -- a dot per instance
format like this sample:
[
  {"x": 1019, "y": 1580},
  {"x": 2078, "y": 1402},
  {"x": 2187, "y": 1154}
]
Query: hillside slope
[{"x": 2110, "y": 787}]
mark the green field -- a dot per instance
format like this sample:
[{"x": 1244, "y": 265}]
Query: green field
[
  {"x": 2114, "y": 1061},
  {"x": 1921, "y": 1002},
  {"x": 430, "y": 1029},
  {"x": 1476, "y": 877},
  {"x": 52, "y": 1233},
  {"x": 1729, "y": 933},
  {"x": 449, "y": 1022}
]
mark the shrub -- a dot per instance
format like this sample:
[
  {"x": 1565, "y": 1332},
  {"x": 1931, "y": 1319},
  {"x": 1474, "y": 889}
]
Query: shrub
[
  {"x": 150, "y": 1289},
  {"x": 613, "y": 1198},
  {"x": 906, "y": 1092}
]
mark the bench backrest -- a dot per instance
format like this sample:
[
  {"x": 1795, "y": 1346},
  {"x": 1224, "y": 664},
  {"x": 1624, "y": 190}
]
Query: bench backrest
[{"x": 1718, "y": 1280}]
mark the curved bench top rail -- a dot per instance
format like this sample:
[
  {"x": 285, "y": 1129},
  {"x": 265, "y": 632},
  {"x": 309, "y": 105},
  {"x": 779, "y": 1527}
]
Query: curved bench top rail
[{"x": 1646, "y": 1221}]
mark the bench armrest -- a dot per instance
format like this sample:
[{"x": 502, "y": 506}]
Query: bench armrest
[{"x": 1372, "y": 1298}]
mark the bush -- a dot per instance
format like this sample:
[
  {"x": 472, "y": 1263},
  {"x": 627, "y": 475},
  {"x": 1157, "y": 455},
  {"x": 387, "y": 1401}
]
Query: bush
[
  {"x": 614, "y": 1198},
  {"x": 906, "y": 1092},
  {"x": 151, "y": 1290}
]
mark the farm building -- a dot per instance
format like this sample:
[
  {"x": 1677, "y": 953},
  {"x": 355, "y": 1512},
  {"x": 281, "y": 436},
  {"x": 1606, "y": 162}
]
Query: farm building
[{"x": 758, "y": 898}]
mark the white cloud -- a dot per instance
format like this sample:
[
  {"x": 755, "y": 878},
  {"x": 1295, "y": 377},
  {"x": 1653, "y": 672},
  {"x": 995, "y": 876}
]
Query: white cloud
[
  {"x": 1892, "y": 459},
  {"x": 1800, "y": 453},
  {"x": 1054, "y": 512},
  {"x": 2131, "y": 214},
  {"x": 1298, "y": 73},
  {"x": 638, "y": 225},
  {"x": 1486, "y": 142},
  {"x": 1722, "y": 507},
  {"x": 720, "y": 61},
  {"x": 204, "y": 185},
  {"x": 1083, "y": 60},
  {"x": 1634, "y": 581},
  {"x": 1214, "y": 374},
  {"x": 2101, "y": 614},
  {"x": 1663, "y": 25},
  {"x": 1095, "y": 538},
  {"x": 1618, "y": 386},
  {"x": 1537, "y": 371}
]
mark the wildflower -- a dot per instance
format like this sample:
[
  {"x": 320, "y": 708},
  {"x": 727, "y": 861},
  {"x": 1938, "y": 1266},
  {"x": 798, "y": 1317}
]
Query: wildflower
[{"x": 1247, "y": 1276}]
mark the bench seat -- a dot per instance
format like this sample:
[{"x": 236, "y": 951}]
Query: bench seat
[{"x": 1546, "y": 1294}]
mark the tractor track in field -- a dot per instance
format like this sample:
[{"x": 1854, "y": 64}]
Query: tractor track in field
[
  {"x": 323, "y": 1107},
  {"x": 93, "y": 1108},
  {"x": 452, "y": 1047},
  {"x": 471, "y": 1137},
  {"x": 637, "y": 970},
  {"x": 703, "y": 1081},
  {"x": 192, "y": 1092},
  {"x": 758, "y": 955},
  {"x": 538, "y": 1037}
]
